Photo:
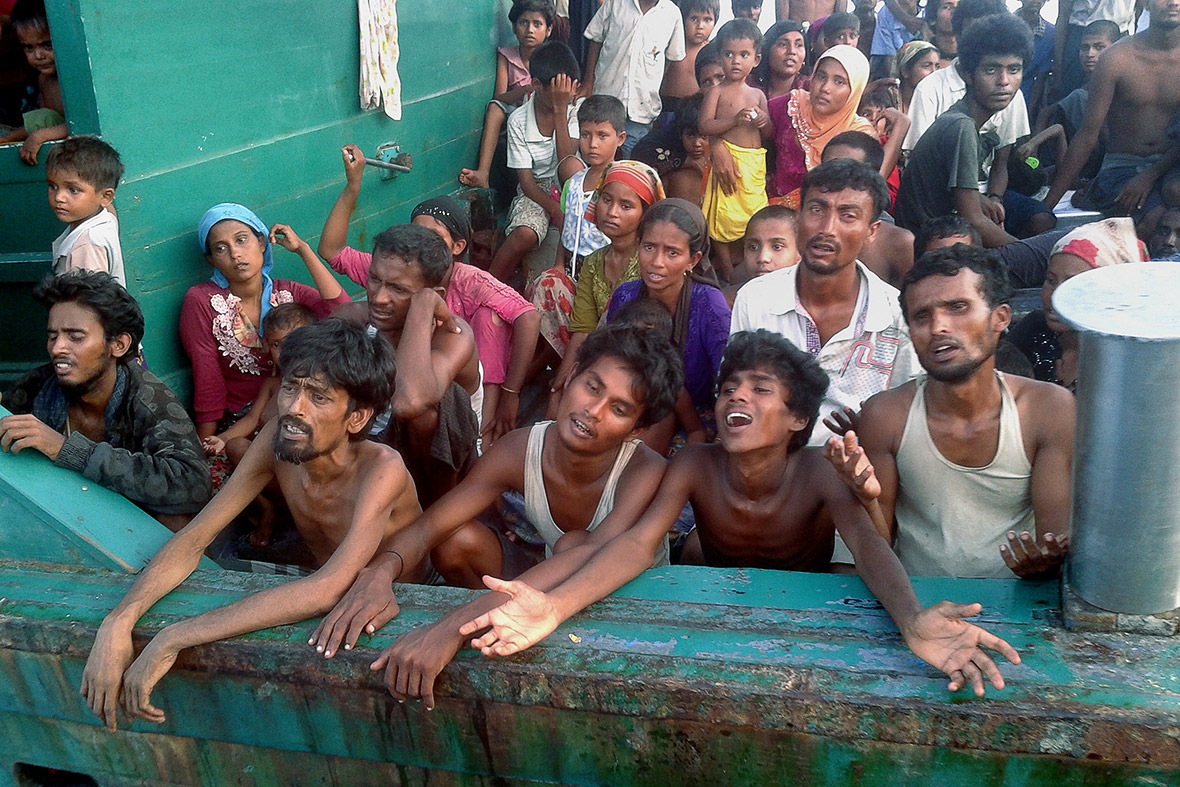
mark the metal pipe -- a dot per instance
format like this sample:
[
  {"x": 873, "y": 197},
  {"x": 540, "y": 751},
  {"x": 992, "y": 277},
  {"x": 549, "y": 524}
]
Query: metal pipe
[
  {"x": 393, "y": 165},
  {"x": 1125, "y": 527}
]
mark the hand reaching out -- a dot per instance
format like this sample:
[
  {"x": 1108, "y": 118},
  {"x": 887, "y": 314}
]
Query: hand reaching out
[
  {"x": 842, "y": 422},
  {"x": 367, "y": 606},
  {"x": 18, "y": 432},
  {"x": 940, "y": 637},
  {"x": 854, "y": 467},
  {"x": 1032, "y": 558},
  {"x": 526, "y": 618}
]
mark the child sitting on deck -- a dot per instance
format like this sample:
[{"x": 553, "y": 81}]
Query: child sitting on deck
[
  {"x": 762, "y": 499},
  {"x": 45, "y": 120},
  {"x": 532, "y": 22},
  {"x": 83, "y": 173},
  {"x": 736, "y": 112},
  {"x": 504, "y": 324},
  {"x": 541, "y": 133}
]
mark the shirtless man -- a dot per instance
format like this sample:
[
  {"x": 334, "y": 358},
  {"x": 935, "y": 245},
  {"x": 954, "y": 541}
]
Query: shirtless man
[
  {"x": 1134, "y": 93},
  {"x": 762, "y": 499},
  {"x": 346, "y": 495},
  {"x": 807, "y": 11},
  {"x": 961, "y": 468},
  {"x": 435, "y": 349},
  {"x": 584, "y": 479},
  {"x": 889, "y": 254}
]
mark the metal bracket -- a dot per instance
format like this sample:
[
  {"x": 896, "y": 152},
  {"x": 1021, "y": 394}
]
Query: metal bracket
[{"x": 390, "y": 159}]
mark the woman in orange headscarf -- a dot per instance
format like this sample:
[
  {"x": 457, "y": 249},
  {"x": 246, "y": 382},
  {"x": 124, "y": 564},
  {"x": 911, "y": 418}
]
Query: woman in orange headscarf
[{"x": 806, "y": 120}]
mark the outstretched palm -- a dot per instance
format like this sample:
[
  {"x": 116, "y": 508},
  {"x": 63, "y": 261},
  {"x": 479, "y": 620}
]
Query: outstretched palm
[
  {"x": 526, "y": 618},
  {"x": 939, "y": 636}
]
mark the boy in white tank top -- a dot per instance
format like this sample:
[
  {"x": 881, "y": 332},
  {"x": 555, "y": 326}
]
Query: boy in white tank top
[
  {"x": 762, "y": 498},
  {"x": 966, "y": 471},
  {"x": 584, "y": 479}
]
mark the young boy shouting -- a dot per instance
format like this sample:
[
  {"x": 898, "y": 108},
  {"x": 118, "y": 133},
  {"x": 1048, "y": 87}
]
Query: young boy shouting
[
  {"x": 83, "y": 173},
  {"x": 762, "y": 499},
  {"x": 541, "y": 133},
  {"x": 737, "y": 113}
]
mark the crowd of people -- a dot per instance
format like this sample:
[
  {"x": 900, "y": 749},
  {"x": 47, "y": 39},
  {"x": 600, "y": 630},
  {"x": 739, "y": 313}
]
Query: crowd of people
[{"x": 776, "y": 332}]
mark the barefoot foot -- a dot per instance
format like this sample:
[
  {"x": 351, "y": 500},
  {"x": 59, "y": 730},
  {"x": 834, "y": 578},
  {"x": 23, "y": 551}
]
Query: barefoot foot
[{"x": 475, "y": 178}]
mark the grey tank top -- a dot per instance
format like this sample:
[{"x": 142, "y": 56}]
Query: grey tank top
[
  {"x": 536, "y": 501},
  {"x": 952, "y": 519}
]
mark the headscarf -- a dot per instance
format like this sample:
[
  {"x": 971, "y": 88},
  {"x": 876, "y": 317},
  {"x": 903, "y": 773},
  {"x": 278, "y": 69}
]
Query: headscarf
[
  {"x": 639, "y": 177},
  {"x": 231, "y": 210},
  {"x": 815, "y": 134},
  {"x": 910, "y": 52},
  {"x": 1102, "y": 243},
  {"x": 777, "y": 31},
  {"x": 448, "y": 212}
]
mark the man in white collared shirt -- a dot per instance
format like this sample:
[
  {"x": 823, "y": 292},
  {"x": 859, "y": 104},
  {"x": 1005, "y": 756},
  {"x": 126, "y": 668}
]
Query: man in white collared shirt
[
  {"x": 630, "y": 43},
  {"x": 830, "y": 304}
]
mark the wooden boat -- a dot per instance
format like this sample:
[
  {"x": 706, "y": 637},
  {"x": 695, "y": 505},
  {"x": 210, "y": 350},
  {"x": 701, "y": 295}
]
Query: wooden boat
[{"x": 685, "y": 676}]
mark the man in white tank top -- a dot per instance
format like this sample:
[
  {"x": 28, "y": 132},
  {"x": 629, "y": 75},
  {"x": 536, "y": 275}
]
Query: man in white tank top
[
  {"x": 967, "y": 470},
  {"x": 584, "y": 478}
]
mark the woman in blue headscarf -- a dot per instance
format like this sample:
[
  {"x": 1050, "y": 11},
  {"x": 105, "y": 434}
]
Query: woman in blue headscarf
[{"x": 221, "y": 319}]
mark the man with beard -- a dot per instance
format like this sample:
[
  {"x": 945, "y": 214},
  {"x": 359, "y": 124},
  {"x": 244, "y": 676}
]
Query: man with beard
[
  {"x": 347, "y": 496},
  {"x": 962, "y": 467},
  {"x": 437, "y": 398},
  {"x": 1164, "y": 242},
  {"x": 95, "y": 410}
]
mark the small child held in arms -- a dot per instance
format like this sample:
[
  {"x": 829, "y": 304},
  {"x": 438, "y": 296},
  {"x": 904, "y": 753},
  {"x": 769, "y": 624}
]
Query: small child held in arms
[
  {"x": 601, "y": 123},
  {"x": 686, "y": 180},
  {"x": 737, "y": 113},
  {"x": 542, "y": 132},
  {"x": 276, "y": 326},
  {"x": 747, "y": 9},
  {"x": 45, "y": 120},
  {"x": 532, "y": 22},
  {"x": 680, "y": 80},
  {"x": 769, "y": 245},
  {"x": 841, "y": 28},
  {"x": 83, "y": 173}
]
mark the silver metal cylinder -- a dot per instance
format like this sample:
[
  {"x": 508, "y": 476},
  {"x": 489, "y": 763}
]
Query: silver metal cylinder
[{"x": 1125, "y": 529}]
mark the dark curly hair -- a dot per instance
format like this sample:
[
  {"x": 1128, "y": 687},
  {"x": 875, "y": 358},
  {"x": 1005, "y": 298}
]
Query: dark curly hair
[
  {"x": 995, "y": 286},
  {"x": 967, "y": 11},
  {"x": 845, "y": 173},
  {"x": 342, "y": 354},
  {"x": 418, "y": 245},
  {"x": 1001, "y": 35},
  {"x": 93, "y": 160},
  {"x": 657, "y": 366},
  {"x": 117, "y": 311},
  {"x": 798, "y": 371}
]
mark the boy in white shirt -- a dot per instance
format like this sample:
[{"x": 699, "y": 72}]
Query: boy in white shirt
[
  {"x": 630, "y": 44},
  {"x": 83, "y": 173},
  {"x": 541, "y": 132}
]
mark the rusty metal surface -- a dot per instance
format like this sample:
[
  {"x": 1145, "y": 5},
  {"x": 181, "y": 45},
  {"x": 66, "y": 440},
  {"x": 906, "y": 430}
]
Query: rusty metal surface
[{"x": 743, "y": 676}]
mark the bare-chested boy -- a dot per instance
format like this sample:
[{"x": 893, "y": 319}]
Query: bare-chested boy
[
  {"x": 737, "y": 113},
  {"x": 763, "y": 499},
  {"x": 680, "y": 81},
  {"x": 435, "y": 349},
  {"x": 965, "y": 465},
  {"x": 346, "y": 495},
  {"x": 1135, "y": 94},
  {"x": 807, "y": 11},
  {"x": 584, "y": 478}
]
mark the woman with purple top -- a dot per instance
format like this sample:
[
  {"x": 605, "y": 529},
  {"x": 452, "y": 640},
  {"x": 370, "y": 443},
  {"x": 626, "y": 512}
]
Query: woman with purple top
[{"x": 673, "y": 240}]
